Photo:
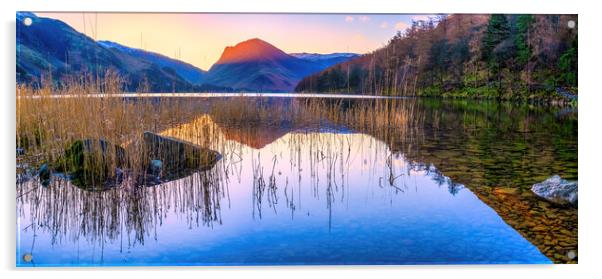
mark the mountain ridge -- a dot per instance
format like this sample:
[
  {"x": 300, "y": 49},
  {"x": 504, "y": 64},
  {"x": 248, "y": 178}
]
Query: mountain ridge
[
  {"x": 51, "y": 48},
  {"x": 257, "y": 65},
  {"x": 250, "y": 50},
  {"x": 186, "y": 70}
]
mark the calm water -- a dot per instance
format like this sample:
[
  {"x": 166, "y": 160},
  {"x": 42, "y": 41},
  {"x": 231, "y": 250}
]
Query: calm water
[{"x": 332, "y": 195}]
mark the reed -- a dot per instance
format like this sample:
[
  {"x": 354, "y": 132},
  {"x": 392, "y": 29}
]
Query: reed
[{"x": 50, "y": 119}]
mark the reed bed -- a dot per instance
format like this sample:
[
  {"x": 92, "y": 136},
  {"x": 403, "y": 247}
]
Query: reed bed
[{"x": 51, "y": 118}]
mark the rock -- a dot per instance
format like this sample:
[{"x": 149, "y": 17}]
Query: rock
[
  {"x": 44, "y": 174},
  {"x": 557, "y": 190},
  {"x": 156, "y": 166},
  {"x": 539, "y": 228},
  {"x": 108, "y": 150},
  {"x": 176, "y": 155},
  {"x": 91, "y": 163},
  {"x": 506, "y": 191}
]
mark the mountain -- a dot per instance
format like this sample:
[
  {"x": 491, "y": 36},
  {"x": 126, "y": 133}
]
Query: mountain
[
  {"x": 256, "y": 65},
  {"x": 467, "y": 55},
  {"x": 187, "y": 71},
  {"x": 325, "y": 60},
  {"x": 50, "y": 48}
]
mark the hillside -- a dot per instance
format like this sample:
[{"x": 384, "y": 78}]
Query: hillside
[
  {"x": 325, "y": 60},
  {"x": 256, "y": 65},
  {"x": 187, "y": 71},
  {"x": 50, "y": 50},
  {"x": 501, "y": 56}
]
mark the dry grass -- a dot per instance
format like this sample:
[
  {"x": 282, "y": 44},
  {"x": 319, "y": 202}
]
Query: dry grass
[{"x": 49, "y": 119}]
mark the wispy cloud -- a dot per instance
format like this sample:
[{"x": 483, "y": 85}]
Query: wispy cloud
[
  {"x": 348, "y": 18},
  {"x": 384, "y": 25},
  {"x": 364, "y": 18},
  {"x": 401, "y": 25}
]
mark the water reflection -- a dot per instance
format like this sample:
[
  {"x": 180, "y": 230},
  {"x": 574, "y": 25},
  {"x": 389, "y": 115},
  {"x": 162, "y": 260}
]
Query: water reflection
[{"x": 312, "y": 193}]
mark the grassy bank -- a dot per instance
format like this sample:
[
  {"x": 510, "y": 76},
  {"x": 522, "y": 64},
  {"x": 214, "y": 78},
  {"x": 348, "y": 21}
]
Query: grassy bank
[{"x": 545, "y": 97}]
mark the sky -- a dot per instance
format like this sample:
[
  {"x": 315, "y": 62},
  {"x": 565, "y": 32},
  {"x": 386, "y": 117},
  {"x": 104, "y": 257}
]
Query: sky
[{"x": 199, "y": 39}]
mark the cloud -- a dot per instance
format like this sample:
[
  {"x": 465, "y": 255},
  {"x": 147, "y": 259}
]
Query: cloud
[
  {"x": 384, "y": 25},
  {"x": 401, "y": 25},
  {"x": 348, "y": 18},
  {"x": 364, "y": 18}
]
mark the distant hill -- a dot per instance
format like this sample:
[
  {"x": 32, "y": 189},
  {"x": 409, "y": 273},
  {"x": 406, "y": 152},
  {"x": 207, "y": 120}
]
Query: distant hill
[
  {"x": 326, "y": 60},
  {"x": 50, "y": 48},
  {"x": 187, "y": 71},
  {"x": 494, "y": 56},
  {"x": 256, "y": 65}
]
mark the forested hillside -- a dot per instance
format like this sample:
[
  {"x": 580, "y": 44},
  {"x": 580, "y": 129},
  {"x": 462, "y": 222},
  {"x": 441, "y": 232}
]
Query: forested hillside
[{"x": 500, "y": 56}]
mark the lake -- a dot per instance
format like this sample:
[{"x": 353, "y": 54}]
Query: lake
[{"x": 450, "y": 187}]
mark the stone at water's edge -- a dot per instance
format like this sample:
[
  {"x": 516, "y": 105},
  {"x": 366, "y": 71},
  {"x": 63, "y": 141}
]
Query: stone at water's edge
[
  {"x": 44, "y": 175},
  {"x": 172, "y": 155},
  {"x": 92, "y": 163},
  {"x": 557, "y": 190},
  {"x": 155, "y": 167}
]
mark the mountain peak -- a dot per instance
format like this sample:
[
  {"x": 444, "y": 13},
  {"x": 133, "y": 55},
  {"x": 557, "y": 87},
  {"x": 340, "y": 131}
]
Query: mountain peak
[{"x": 251, "y": 50}]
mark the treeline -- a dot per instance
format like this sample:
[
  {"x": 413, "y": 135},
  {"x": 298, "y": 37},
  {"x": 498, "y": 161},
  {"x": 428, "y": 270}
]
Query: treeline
[{"x": 500, "y": 56}]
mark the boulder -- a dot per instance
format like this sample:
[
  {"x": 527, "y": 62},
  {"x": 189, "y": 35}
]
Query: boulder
[
  {"x": 156, "y": 166},
  {"x": 44, "y": 175},
  {"x": 173, "y": 156},
  {"x": 557, "y": 190},
  {"x": 91, "y": 163}
]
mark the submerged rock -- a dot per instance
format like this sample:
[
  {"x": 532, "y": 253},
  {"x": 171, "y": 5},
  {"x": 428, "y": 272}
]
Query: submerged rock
[
  {"x": 172, "y": 155},
  {"x": 557, "y": 190}
]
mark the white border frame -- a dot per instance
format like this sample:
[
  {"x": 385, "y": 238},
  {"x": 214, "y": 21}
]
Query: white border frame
[{"x": 589, "y": 150}]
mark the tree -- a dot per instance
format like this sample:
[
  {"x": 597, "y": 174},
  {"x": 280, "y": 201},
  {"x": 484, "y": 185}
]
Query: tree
[
  {"x": 497, "y": 32},
  {"x": 439, "y": 58},
  {"x": 567, "y": 64},
  {"x": 460, "y": 54},
  {"x": 521, "y": 40}
]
